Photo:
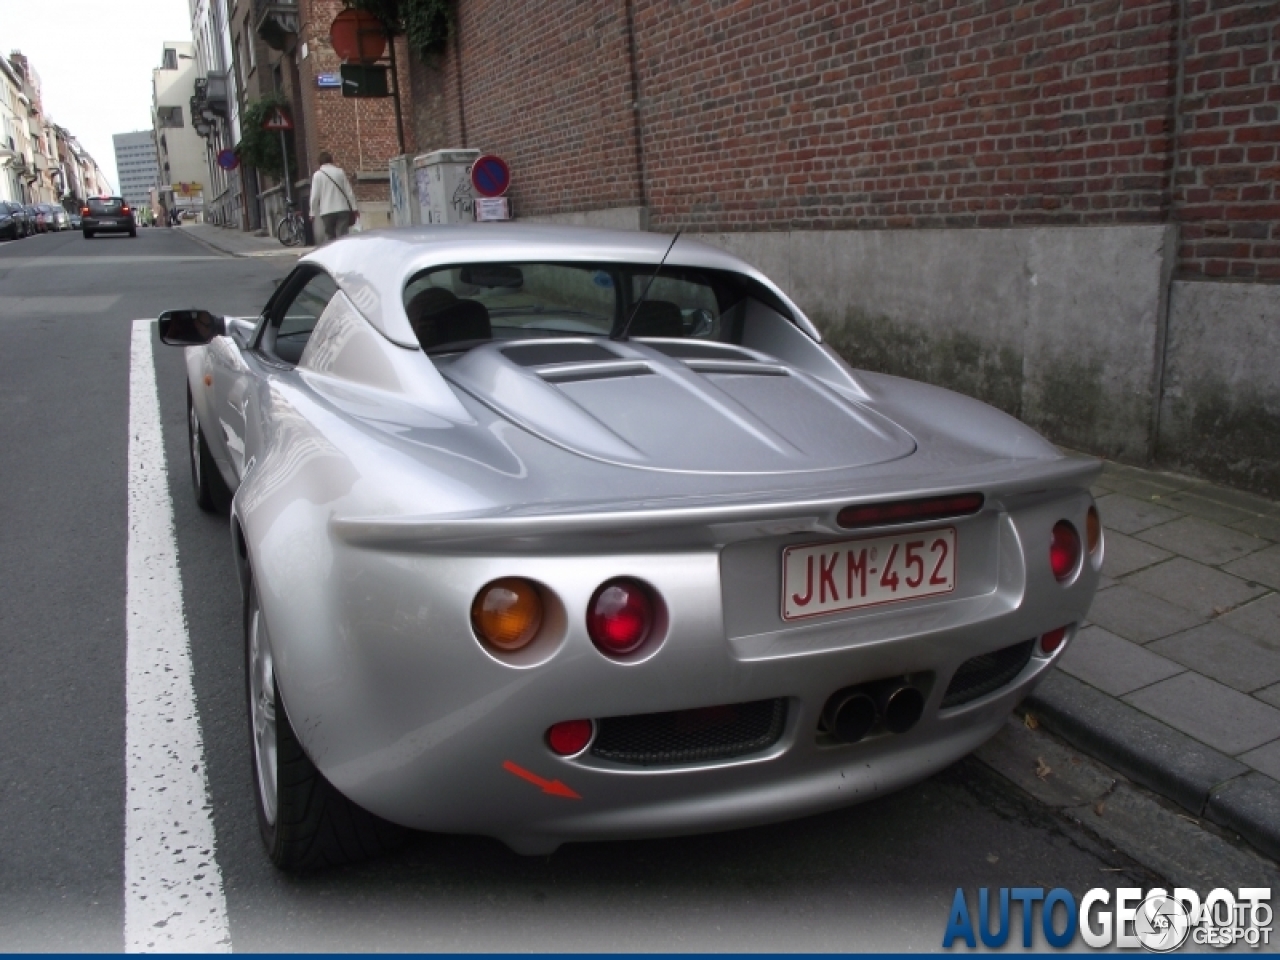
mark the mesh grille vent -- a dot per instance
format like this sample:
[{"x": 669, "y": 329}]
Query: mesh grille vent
[
  {"x": 690, "y": 736},
  {"x": 978, "y": 676}
]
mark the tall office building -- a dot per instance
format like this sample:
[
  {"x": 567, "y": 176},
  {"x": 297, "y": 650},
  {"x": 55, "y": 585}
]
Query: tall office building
[{"x": 136, "y": 166}]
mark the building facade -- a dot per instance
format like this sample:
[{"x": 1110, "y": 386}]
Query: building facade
[
  {"x": 137, "y": 166},
  {"x": 180, "y": 151},
  {"x": 40, "y": 177},
  {"x": 214, "y": 111}
]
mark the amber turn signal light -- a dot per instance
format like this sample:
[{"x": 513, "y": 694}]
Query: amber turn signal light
[
  {"x": 507, "y": 613},
  {"x": 1093, "y": 530}
]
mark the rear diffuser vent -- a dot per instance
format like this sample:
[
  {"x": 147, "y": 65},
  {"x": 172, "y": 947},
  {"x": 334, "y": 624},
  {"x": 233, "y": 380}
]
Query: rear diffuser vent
[
  {"x": 981, "y": 675},
  {"x": 691, "y": 736}
]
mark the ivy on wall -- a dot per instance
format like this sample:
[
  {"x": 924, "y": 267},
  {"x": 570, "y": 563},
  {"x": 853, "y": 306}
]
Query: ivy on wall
[
  {"x": 261, "y": 148},
  {"x": 425, "y": 23}
]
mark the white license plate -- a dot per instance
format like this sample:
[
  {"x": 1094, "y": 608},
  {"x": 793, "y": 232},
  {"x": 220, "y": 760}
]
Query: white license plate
[{"x": 845, "y": 575}]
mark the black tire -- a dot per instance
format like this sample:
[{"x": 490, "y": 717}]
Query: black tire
[
  {"x": 133, "y": 233},
  {"x": 207, "y": 483},
  {"x": 88, "y": 234},
  {"x": 310, "y": 825}
]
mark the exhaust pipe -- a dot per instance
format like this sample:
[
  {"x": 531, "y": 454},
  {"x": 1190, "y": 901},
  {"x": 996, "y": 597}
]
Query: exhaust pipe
[
  {"x": 901, "y": 707},
  {"x": 849, "y": 715}
]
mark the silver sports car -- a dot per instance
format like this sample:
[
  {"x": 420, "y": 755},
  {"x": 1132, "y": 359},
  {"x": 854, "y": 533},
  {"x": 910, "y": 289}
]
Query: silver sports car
[{"x": 554, "y": 534}]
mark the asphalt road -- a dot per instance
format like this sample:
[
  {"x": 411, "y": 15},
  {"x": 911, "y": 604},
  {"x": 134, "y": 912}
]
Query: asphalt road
[{"x": 878, "y": 876}]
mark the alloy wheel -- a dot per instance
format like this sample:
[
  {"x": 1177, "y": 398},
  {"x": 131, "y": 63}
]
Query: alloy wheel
[{"x": 262, "y": 710}]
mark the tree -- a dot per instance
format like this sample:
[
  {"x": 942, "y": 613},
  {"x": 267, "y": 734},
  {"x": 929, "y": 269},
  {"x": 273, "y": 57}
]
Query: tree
[
  {"x": 425, "y": 23},
  {"x": 261, "y": 148}
]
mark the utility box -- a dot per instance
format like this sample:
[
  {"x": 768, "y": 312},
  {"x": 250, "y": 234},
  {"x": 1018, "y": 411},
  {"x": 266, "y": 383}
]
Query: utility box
[
  {"x": 404, "y": 194},
  {"x": 443, "y": 181}
]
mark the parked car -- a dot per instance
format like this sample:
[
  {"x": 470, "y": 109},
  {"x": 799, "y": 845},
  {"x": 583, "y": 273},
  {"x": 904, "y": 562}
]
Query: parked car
[
  {"x": 19, "y": 214},
  {"x": 75, "y": 221},
  {"x": 554, "y": 534},
  {"x": 37, "y": 218},
  {"x": 56, "y": 216},
  {"x": 107, "y": 215},
  {"x": 11, "y": 228}
]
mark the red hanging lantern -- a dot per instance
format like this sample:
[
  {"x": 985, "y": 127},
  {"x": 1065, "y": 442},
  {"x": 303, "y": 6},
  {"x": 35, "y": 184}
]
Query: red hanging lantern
[{"x": 358, "y": 36}]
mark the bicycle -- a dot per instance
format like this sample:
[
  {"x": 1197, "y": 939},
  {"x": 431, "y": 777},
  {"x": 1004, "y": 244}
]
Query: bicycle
[{"x": 291, "y": 230}]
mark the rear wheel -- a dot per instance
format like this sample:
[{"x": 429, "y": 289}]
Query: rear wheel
[
  {"x": 133, "y": 233},
  {"x": 304, "y": 821},
  {"x": 88, "y": 234}
]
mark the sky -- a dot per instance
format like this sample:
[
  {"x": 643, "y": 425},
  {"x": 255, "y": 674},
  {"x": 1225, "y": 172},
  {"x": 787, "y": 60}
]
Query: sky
[{"x": 94, "y": 59}]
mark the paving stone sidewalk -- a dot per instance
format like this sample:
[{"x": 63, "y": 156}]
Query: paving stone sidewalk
[
  {"x": 1175, "y": 677},
  {"x": 237, "y": 243}
]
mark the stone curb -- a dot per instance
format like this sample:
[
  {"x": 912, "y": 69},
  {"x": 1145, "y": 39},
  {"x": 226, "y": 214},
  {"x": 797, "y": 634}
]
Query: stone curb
[
  {"x": 207, "y": 245},
  {"x": 1196, "y": 777},
  {"x": 250, "y": 255}
]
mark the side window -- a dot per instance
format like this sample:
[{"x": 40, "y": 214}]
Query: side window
[{"x": 295, "y": 319}]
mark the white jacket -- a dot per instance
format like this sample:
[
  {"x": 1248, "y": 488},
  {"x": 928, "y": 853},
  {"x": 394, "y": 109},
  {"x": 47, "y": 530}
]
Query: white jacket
[{"x": 330, "y": 191}]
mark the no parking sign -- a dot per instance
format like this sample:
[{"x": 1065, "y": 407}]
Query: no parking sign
[{"x": 490, "y": 176}]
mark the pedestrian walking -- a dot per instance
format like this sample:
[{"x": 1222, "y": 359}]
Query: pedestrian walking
[{"x": 331, "y": 198}]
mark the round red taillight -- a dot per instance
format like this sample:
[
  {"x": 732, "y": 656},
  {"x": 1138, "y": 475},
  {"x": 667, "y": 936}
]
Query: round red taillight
[
  {"x": 570, "y": 737},
  {"x": 620, "y": 617},
  {"x": 1064, "y": 550},
  {"x": 1052, "y": 640}
]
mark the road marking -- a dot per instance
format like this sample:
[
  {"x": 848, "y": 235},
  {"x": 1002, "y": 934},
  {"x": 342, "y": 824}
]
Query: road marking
[
  {"x": 172, "y": 885},
  {"x": 55, "y": 306}
]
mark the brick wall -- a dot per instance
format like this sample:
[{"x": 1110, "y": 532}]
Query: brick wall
[
  {"x": 360, "y": 133},
  {"x": 546, "y": 86},
  {"x": 813, "y": 114},
  {"x": 905, "y": 114},
  {"x": 1228, "y": 161}
]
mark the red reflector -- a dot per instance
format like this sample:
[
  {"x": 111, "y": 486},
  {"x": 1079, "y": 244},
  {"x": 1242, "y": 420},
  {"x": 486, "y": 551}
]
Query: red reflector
[
  {"x": 620, "y": 617},
  {"x": 1064, "y": 550},
  {"x": 1052, "y": 640},
  {"x": 910, "y": 511},
  {"x": 570, "y": 737}
]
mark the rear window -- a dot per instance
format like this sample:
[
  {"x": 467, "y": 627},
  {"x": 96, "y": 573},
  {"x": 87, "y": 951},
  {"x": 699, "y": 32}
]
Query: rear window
[{"x": 105, "y": 204}]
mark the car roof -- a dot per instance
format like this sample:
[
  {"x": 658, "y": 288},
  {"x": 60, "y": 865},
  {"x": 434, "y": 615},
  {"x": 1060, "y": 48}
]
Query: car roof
[{"x": 374, "y": 268}]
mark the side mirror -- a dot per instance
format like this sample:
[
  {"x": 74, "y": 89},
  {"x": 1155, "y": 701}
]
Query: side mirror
[{"x": 190, "y": 328}]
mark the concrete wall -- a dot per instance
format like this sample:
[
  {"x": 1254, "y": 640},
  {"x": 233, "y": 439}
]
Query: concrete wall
[
  {"x": 1220, "y": 416},
  {"x": 1078, "y": 331},
  {"x": 1062, "y": 327}
]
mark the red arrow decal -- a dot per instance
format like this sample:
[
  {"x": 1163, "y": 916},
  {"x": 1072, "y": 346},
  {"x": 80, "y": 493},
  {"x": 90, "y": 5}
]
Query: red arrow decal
[{"x": 553, "y": 787}]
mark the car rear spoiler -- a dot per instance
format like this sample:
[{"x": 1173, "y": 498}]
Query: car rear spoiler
[{"x": 699, "y": 521}]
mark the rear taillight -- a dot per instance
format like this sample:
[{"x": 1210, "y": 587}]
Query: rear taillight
[
  {"x": 507, "y": 613},
  {"x": 910, "y": 511},
  {"x": 1093, "y": 531},
  {"x": 1064, "y": 551},
  {"x": 570, "y": 737},
  {"x": 84, "y": 211},
  {"x": 620, "y": 617},
  {"x": 124, "y": 209},
  {"x": 1051, "y": 641}
]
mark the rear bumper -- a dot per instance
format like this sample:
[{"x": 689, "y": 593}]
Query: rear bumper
[
  {"x": 98, "y": 226},
  {"x": 402, "y": 709}
]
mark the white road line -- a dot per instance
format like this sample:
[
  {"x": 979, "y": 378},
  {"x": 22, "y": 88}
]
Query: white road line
[{"x": 172, "y": 885}]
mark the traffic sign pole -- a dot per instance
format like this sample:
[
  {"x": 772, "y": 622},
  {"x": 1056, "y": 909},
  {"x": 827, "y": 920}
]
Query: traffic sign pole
[{"x": 284, "y": 158}]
